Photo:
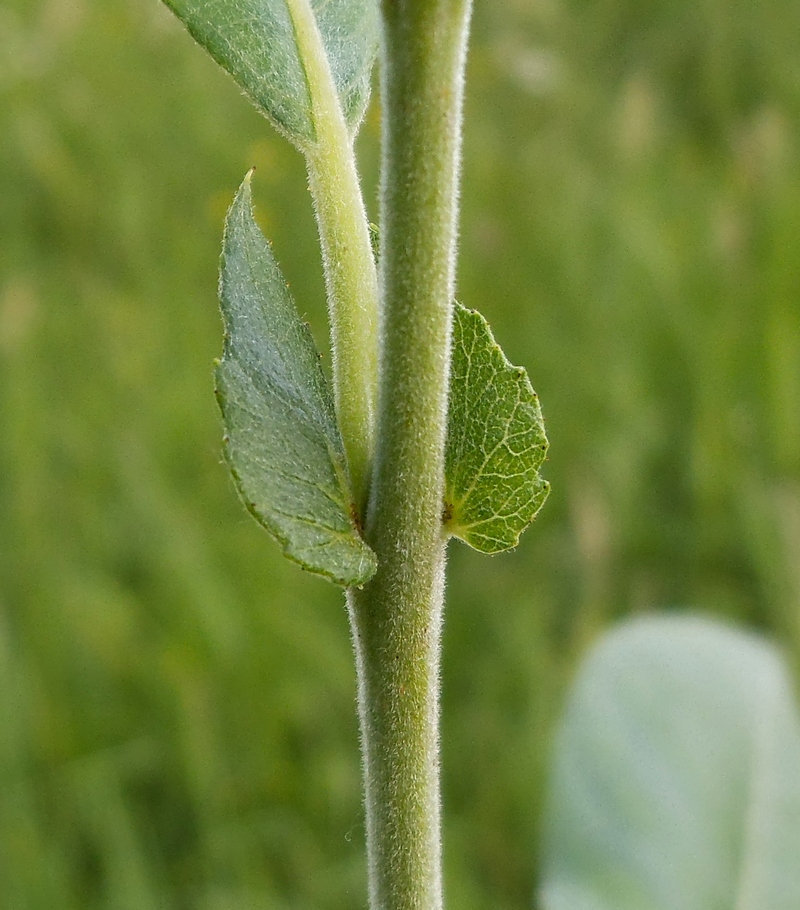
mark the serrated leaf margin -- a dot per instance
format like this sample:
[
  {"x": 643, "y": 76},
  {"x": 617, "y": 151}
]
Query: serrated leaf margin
[
  {"x": 366, "y": 558},
  {"x": 463, "y": 318}
]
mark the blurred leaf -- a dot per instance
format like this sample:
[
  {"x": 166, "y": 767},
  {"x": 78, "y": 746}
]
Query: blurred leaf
[
  {"x": 282, "y": 442},
  {"x": 677, "y": 776},
  {"x": 268, "y": 47},
  {"x": 495, "y": 441}
]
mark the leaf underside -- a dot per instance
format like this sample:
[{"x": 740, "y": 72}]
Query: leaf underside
[
  {"x": 676, "y": 781},
  {"x": 254, "y": 40},
  {"x": 281, "y": 439},
  {"x": 495, "y": 441}
]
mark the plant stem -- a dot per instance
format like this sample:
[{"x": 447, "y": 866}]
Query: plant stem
[
  {"x": 350, "y": 273},
  {"x": 396, "y": 617}
]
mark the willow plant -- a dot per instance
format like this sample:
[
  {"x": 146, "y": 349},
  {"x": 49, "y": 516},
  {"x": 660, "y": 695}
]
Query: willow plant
[{"x": 426, "y": 431}]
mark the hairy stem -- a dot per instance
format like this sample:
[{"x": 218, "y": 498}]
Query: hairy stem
[
  {"x": 350, "y": 273},
  {"x": 396, "y": 617}
]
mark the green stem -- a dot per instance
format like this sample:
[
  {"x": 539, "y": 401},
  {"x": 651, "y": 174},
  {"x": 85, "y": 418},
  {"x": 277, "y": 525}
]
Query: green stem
[
  {"x": 350, "y": 273},
  {"x": 396, "y": 617}
]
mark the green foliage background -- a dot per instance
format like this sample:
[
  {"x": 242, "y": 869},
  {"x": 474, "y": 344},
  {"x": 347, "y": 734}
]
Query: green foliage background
[{"x": 177, "y": 724}]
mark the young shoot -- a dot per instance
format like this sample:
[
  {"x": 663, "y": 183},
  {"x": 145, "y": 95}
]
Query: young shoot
[{"x": 427, "y": 430}]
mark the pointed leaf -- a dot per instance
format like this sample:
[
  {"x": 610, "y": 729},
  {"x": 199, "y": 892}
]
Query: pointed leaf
[
  {"x": 495, "y": 441},
  {"x": 282, "y": 442},
  {"x": 677, "y": 776},
  {"x": 256, "y": 41}
]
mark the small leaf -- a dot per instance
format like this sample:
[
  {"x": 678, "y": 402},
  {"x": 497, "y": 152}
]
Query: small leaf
[
  {"x": 495, "y": 441},
  {"x": 282, "y": 442},
  {"x": 256, "y": 41},
  {"x": 677, "y": 776}
]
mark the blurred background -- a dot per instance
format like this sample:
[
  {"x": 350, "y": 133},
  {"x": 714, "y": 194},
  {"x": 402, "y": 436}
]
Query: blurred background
[{"x": 177, "y": 724}]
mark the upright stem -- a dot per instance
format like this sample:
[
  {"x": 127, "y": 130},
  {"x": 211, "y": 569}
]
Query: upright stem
[
  {"x": 350, "y": 274},
  {"x": 396, "y": 617}
]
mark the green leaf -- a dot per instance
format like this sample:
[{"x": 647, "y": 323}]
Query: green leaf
[
  {"x": 282, "y": 442},
  {"x": 677, "y": 776},
  {"x": 495, "y": 441},
  {"x": 272, "y": 49}
]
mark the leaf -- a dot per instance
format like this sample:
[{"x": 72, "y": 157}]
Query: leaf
[
  {"x": 677, "y": 777},
  {"x": 282, "y": 442},
  {"x": 495, "y": 441},
  {"x": 259, "y": 42}
]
